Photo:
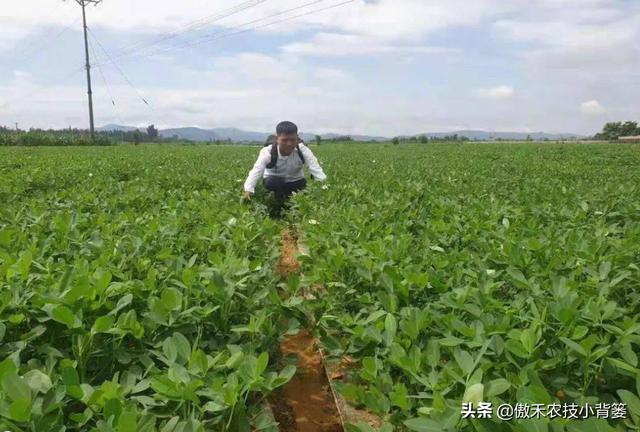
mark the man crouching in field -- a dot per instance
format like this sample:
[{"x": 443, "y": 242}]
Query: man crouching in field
[{"x": 281, "y": 162}]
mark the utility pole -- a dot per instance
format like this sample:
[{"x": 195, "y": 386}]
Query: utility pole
[
  {"x": 83, "y": 3},
  {"x": 16, "y": 126}
]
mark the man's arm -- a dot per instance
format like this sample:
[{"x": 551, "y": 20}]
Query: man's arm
[
  {"x": 314, "y": 167},
  {"x": 256, "y": 172}
]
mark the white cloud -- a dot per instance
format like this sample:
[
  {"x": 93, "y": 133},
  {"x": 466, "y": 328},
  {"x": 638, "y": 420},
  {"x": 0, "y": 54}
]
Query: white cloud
[
  {"x": 592, "y": 107},
  {"x": 589, "y": 36},
  {"x": 502, "y": 92},
  {"x": 559, "y": 52},
  {"x": 21, "y": 75},
  {"x": 391, "y": 20},
  {"x": 333, "y": 44}
]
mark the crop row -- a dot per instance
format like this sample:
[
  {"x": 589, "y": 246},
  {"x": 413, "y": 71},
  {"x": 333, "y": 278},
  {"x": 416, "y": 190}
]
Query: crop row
[
  {"x": 136, "y": 292},
  {"x": 58, "y": 139},
  {"x": 466, "y": 273}
]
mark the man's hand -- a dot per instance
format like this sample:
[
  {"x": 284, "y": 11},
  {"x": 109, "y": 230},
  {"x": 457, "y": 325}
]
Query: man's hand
[{"x": 246, "y": 196}]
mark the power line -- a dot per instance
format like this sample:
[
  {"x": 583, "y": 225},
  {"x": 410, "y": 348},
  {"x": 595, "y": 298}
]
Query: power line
[
  {"x": 132, "y": 49},
  {"x": 209, "y": 39},
  {"x": 104, "y": 80},
  {"x": 229, "y": 32},
  {"x": 83, "y": 4},
  {"x": 206, "y": 38},
  {"x": 112, "y": 61},
  {"x": 311, "y": 3}
]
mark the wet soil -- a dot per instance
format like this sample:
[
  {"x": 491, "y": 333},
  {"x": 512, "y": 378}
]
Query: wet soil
[{"x": 306, "y": 403}]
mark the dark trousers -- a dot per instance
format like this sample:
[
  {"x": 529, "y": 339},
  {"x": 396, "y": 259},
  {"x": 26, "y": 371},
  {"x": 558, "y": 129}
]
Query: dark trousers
[{"x": 283, "y": 189}]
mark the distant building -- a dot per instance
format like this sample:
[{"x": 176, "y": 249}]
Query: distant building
[{"x": 630, "y": 139}]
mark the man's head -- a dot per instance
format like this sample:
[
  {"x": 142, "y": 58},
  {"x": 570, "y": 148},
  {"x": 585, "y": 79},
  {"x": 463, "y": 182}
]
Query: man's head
[{"x": 287, "y": 137}]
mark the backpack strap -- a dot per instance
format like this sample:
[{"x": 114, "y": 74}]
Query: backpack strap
[
  {"x": 274, "y": 156},
  {"x": 274, "y": 152},
  {"x": 299, "y": 152}
]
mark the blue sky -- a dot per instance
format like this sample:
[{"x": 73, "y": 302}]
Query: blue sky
[{"x": 376, "y": 67}]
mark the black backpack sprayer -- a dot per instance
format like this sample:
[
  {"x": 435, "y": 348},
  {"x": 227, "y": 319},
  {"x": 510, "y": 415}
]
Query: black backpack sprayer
[{"x": 271, "y": 141}]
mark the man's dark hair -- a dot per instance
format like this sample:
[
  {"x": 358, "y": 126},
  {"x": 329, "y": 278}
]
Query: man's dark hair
[{"x": 286, "y": 128}]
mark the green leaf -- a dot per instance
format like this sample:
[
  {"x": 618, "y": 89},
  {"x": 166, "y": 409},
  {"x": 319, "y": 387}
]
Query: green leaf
[
  {"x": 122, "y": 303},
  {"x": 369, "y": 370},
  {"x": 169, "y": 349},
  {"x": 38, "y": 381},
  {"x": 178, "y": 374},
  {"x": 103, "y": 324},
  {"x": 464, "y": 360},
  {"x": 262, "y": 363},
  {"x": 64, "y": 315},
  {"x": 497, "y": 387},
  {"x": 235, "y": 360},
  {"x": 451, "y": 341},
  {"x": 420, "y": 424},
  {"x": 622, "y": 365},
  {"x": 632, "y": 401},
  {"x": 528, "y": 340},
  {"x": 533, "y": 425},
  {"x": 128, "y": 422},
  {"x": 473, "y": 394},
  {"x": 579, "y": 332},
  {"x": 533, "y": 394},
  {"x": 16, "y": 387},
  {"x": 518, "y": 277},
  {"x": 391, "y": 328},
  {"x": 170, "y": 426},
  {"x": 72, "y": 382},
  {"x": 433, "y": 352},
  {"x": 373, "y": 317},
  {"x": 284, "y": 376},
  {"x": 24, "y": 264},
  {"x": 20, "y": 410},
  {"x": 628, "y": 354},
  {"x": 589, "y": 425},
  {"x": 102, "y": 279},
  {"x": 214, "y": 407},
  {"x": 171, "y": 299},
  {"x": 199, "y": 361},
  {"x": 7, "y": 366},
  {"x": 182, "y": 346},
  {"x": 574, "y": 346},
  {"x": 359, "y": 427},
  {"x": 112, "y": 409}
]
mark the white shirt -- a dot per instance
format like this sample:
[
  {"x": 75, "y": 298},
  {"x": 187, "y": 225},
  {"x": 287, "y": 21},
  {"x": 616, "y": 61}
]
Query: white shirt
[{"x": 289, "y": 167}]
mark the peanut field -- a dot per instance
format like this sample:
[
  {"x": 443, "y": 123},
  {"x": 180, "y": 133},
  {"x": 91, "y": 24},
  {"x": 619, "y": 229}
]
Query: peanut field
[{"x": 139, "y": 293}]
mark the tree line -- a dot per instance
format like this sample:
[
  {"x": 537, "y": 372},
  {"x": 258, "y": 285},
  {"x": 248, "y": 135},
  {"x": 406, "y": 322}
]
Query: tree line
[
  {"x": 614, "y": 130},
  {"x": 72, "y": 136}
]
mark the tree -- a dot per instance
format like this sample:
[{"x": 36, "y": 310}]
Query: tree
[
  {"x": 137, "y": 137},
  {"x": 629, "y": 128},
  {"x": 424, "y": 139},
  {"x": 318, "y": 139},
  {"x": 395, "y": 140},
  {"x": 614, "y": 130},
  {"x": 152, "y": 132}
]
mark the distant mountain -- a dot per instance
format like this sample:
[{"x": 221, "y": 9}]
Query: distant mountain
[
  {"x": 491, "y": 136},
  {"x": 233, "y": 134},
  {"x": 197, "y": 134},
  {"x": 238, "y": 135},
  {"x": 355, "y": 137},
  {"x": 115, "y": 127}
]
